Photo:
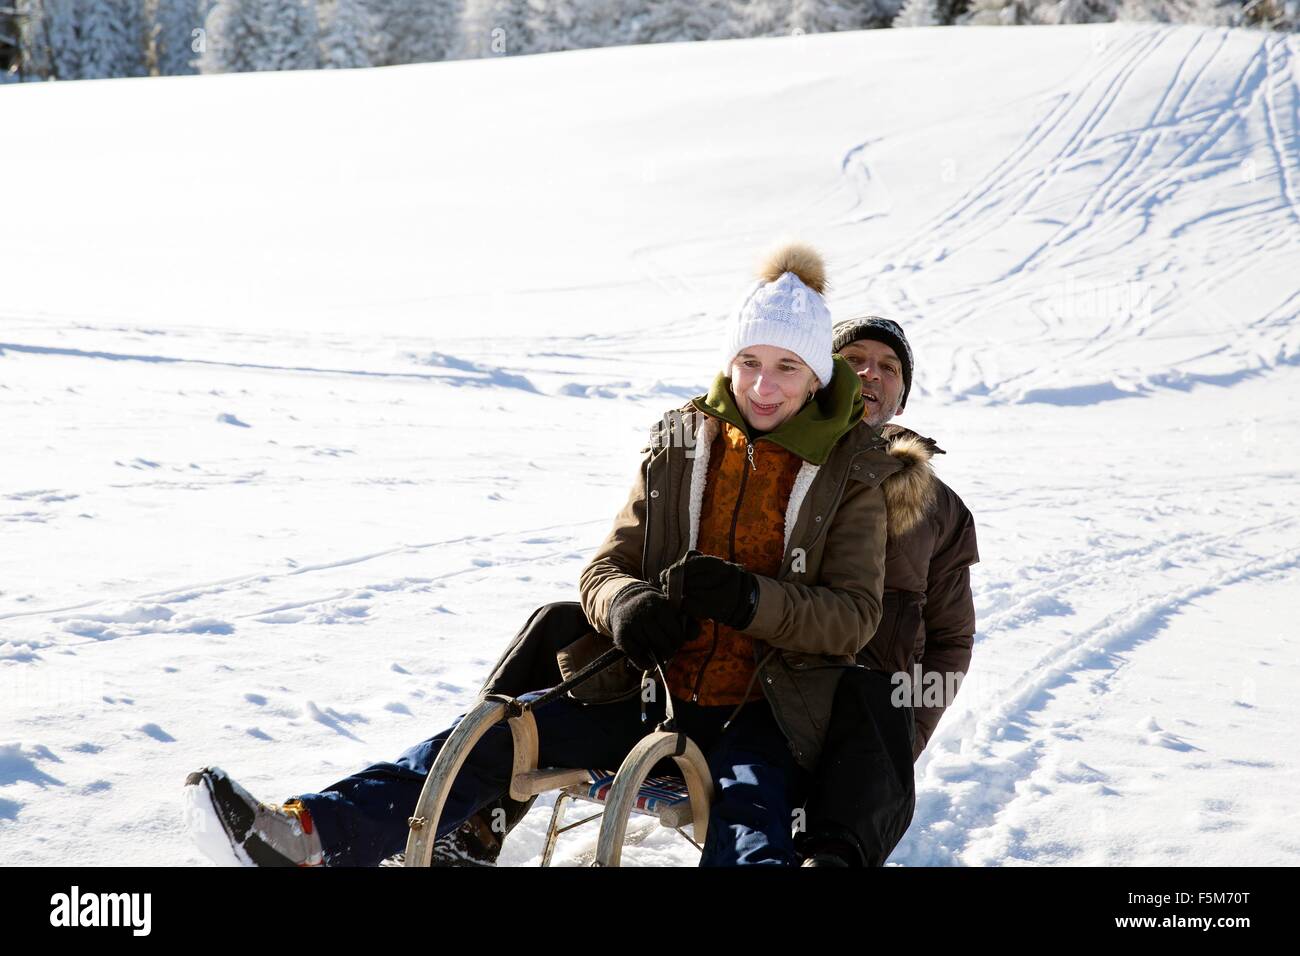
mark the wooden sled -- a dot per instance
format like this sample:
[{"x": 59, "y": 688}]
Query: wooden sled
[{"x": 676, "y": 802}]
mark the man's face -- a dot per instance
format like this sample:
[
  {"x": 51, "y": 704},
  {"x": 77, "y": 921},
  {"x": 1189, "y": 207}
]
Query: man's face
[
  {"x": 770, "y": 385},
  {"x": 881, "y": 374}
]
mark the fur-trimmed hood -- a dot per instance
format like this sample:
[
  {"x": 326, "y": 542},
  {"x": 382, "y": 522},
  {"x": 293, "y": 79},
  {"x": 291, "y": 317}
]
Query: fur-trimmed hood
[{"x": 909, "y": 493}]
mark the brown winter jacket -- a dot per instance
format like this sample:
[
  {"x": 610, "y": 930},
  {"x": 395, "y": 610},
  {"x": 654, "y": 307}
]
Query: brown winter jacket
[
  {"x": 928, "y": 624},
  {"x": 824, "y": 602}
]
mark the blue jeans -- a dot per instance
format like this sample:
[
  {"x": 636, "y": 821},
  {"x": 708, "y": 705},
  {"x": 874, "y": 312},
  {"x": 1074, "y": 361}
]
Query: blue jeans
[{"x": 361, "y": 819}]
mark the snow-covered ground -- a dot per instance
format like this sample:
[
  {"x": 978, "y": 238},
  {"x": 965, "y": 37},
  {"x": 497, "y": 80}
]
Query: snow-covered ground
[{"x": 314, "y": 385}]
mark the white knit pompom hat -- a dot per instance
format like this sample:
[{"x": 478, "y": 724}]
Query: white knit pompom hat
[{"x": 785, "y": 308}]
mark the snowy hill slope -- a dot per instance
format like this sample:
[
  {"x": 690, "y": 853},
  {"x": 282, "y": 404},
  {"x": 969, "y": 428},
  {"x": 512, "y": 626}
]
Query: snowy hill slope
[{"x": 316, "y": 384}]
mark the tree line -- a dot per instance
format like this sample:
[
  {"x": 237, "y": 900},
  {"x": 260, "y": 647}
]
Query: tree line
[{"x": 93, "y": 39}]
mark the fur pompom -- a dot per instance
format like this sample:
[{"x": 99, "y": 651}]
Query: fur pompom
[{"x": 797, "y": 257}]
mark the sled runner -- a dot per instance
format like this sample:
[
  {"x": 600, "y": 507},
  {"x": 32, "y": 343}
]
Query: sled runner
[{"x": 678, "y": 801}]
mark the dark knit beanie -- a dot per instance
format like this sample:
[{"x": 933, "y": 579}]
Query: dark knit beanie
[{"x": 881, "y": 330}]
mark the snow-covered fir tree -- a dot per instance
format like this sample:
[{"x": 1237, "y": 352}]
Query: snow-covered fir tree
[
  {"x": 113, "y": 35},
  {"x": 943, "y": 12},
  {"x": 344, "y": 41},
  {"x": 496, "y": 28},
  {"x": 1207, "y": 12},
  {"x": 759, "y": 18},
  {"x": 1075, "y": 11},
  {"x": 1203, "y": 12},
  {"x": 584, "y": 24},
  {"x": 174, "y": 23},
  {"x": 918, "y": 13},
  {"x": 83, "y": 39},
  {"x": 244, "y": 36},
  {"x": 675, "y": 21},
  {"x": 881, "y": 13},
  {"x": 784, "y": 17},
  {"x": 233, "y": 31},
  {"x": 292, "y": 36},
  {"x": 999, "y": 12},
  {"x": 1159, "y": 11},
  {"x": 826, "y": 16},
  {"x": 60, "y": 20},
  {"x": 413, "y": 31}
]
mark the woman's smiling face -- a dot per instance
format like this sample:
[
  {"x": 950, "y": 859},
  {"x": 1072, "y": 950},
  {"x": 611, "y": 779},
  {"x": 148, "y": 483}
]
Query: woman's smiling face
[{"x": 770, "y": 385}]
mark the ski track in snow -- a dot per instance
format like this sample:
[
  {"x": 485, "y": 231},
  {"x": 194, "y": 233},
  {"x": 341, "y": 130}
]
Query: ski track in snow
[
  {"x": 1142, "y": 170},
  {"x": 1004, "y": 745},
  {"x": 1160, "y": 179}
]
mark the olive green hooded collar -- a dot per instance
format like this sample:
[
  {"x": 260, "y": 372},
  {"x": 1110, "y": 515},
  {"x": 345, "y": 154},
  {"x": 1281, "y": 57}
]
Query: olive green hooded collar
[{"x": 812, "y": 431}]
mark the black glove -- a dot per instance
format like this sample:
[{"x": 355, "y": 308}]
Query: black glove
[
  {"x": 645, "y": 626},
  {"x": 715, "y": 589}
]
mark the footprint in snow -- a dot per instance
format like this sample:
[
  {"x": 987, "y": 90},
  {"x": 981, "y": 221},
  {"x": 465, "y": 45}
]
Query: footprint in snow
[
  {"x": 130, "y": 618},
  {"x": 157, "y": 733},
  {"x": 27, "y": 516},
  {"x": 34, "y": 493},
  {"x": 333, "y": 720},
  {"x": 204, "y": 625},
  {"x": 19, "y": 765},
  {"x": 1165, "y": 739},
  {"x": 342, "y": 615},
  {"x": 282, "y": 617},
  {"x": 226, "y": 418},
  {"x": 100, "y": 632},
  {"x": 1076, "y": 771}
]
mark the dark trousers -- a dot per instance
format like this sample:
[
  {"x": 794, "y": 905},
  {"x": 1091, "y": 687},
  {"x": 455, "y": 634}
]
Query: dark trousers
[
  {"x": 361, "y": 819},
  {"x": 864, "y": 792}
]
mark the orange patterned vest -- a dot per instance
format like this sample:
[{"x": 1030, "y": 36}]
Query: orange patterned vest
[{"x": 742, "y": 519}]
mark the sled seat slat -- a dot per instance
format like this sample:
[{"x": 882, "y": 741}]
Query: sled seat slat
[{"x": 663, "y": 797}]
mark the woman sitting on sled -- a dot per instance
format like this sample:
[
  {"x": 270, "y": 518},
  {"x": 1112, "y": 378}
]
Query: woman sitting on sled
[{"x": 766, "y": 493}]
